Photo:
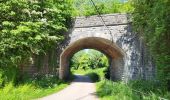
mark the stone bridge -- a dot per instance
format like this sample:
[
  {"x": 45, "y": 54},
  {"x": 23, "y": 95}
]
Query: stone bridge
[{"x": 127, "y": 54}]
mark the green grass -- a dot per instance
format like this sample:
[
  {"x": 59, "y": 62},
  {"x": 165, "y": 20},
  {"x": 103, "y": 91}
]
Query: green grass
[
  {"x": 108, "y": 90},
  {"x": 27, "y": 92},
  {"x": 134, "y": 90},
  {"x": 37, "y": 87},
  {"x": 141, "y": 90}
]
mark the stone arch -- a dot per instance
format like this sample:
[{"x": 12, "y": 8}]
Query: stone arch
[{"x": 110, "y": 49}]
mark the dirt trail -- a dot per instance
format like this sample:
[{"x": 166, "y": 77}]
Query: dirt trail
[{"x": 82, "y": 88}]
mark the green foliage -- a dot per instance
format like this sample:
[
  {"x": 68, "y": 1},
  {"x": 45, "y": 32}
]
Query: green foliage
[
  {"x": 145, "y": 85},
  {"x": 85, "y": 7},
  {"x": 1, "y": 78},
  {"x": 134, "y": 90},
  {"x": 30, "y": 27},
  {"x": 151, "y": 19},
  {"x": 107, "y": 73},
  {"x": 44, "y": 81},
  {"x": 40, "y": 87},
  {"x": 93, "y": 76},
  {"x": 88, "y": 59},
  {"x": 99, "y": 71},
  {"x": 115, "y": 91}
]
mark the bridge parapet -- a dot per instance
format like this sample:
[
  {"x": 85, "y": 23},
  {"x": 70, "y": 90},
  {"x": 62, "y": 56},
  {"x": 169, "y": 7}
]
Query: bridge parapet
[{"x": 95, "y": 21}]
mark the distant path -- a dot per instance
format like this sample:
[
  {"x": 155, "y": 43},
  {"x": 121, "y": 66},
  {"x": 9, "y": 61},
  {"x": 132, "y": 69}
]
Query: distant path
[{"x": 81, "y": 88}]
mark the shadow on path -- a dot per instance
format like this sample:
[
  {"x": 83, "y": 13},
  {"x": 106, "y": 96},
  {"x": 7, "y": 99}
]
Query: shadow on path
[
  {"x": 82, "y": 88},
  {"x": 82, "y": 79}
]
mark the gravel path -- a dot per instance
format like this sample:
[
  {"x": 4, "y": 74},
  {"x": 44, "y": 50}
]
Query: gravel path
[{"x": 82, "y": 88}]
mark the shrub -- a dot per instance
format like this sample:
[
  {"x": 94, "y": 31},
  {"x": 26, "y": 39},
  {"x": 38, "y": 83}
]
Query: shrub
[
  {"x": 107, "y": 73},
  {"x": 90, "y": 59},
  {"x": 44, "y": 81},
  {"x": 30, "y": 27},
  {"x": 94, "y": 76}
]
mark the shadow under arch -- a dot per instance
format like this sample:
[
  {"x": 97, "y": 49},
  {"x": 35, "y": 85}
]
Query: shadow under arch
[{"x": 114, "y": 53}]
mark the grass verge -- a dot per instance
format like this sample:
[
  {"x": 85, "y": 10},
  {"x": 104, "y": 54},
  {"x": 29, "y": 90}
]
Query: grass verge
[
  {"x": 134, "y": 90},
  {"x": 32, "y": 88}
]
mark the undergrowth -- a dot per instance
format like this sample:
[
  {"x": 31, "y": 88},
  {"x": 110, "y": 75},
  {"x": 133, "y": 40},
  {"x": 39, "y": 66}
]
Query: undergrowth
[
  {"x": 134, "y": 90},
  {"x": 32, "y": 88}
]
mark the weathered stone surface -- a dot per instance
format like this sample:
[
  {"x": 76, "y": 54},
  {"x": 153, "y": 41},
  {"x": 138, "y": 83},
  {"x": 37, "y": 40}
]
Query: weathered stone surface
[
  {"x": 109, "y": 19},
  {"x": 126, "y": 51}
]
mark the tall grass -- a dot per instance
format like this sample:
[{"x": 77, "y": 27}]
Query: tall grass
[
  {"x": 140, "y": 90},
  {"x": 32, "y": 89},
  {"x": 134, "y": 90},
  {"x": 26, "y": 92}
]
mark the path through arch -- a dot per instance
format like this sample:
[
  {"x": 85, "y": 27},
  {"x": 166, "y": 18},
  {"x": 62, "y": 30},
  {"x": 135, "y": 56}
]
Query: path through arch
[{"x": 114, "y": 53}]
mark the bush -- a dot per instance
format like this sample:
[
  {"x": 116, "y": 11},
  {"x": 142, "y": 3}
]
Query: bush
[
  {"x": 1, "y": 78},
  {"x": 30, "y": 27},
  {"x": 44, "y": 81},
  {"x": 91, "y": 59},
  {"x": 94, "y": 76},
  {"x": 107, "y": 73}
]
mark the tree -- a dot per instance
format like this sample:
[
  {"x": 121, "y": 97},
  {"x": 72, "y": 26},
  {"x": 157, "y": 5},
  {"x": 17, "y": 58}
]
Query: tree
[
  {"x": 89, "y": 59},
  {"x": 151, "y": 19},
  {"x": 30, "y": 27}
]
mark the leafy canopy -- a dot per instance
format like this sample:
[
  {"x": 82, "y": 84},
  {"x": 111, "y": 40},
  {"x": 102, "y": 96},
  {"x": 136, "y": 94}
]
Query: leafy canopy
[
  {"x": 151, "y": 19},
  {"x": 88, "y": 59},
  {"x": 29, "y": 27},
  {"x": 86, "y": 8}
]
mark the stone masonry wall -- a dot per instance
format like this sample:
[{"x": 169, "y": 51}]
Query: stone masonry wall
[{"x": 136, "y": 62}]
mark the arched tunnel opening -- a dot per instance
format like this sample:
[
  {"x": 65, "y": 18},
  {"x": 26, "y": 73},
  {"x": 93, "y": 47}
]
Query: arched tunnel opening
[
  {"x": 107, "y": 47},
  {"x": 90, "y": 62}
]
